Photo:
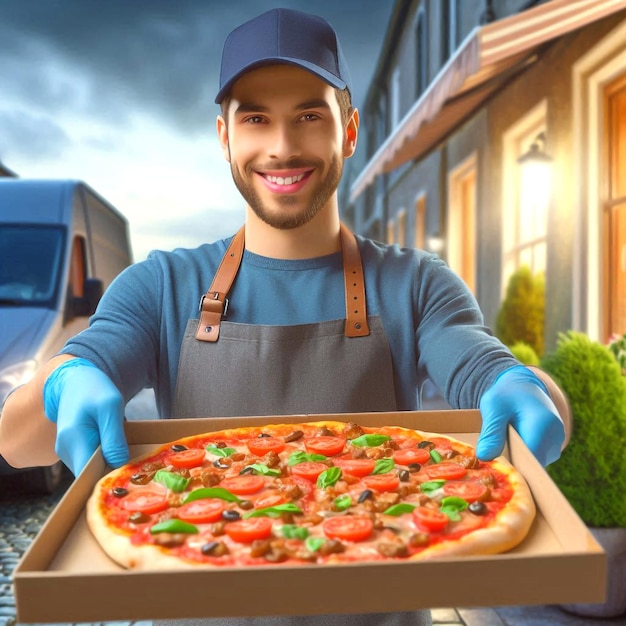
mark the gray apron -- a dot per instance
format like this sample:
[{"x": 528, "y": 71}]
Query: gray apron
[{"x": 227, "y": 369}]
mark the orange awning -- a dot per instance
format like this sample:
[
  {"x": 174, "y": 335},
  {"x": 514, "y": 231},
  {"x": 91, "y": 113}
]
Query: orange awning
[{"x": 489, "y": 56}]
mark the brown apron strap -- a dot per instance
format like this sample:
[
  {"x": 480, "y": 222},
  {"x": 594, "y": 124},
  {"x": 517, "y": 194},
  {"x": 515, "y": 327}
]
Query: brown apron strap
[
  {"x": 356, "y": 306},
  {"x": 214, "y": 303}
]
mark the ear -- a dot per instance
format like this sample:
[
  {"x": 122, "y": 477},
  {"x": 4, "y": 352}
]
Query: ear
[
  {"x": 222, "y": 134},
  {"x": 351, "y": 134}
]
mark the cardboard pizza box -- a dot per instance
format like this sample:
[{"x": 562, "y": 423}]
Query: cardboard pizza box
[{"x": 66, "y": 577}]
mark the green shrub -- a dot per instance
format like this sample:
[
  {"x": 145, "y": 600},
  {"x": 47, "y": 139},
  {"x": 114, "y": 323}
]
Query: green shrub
[
  {"x": 522, "y": 313},
  {"x": 617, "y": 345},
  {"x": 591, "y": 472},
  {"x": 524, "y": 353}
]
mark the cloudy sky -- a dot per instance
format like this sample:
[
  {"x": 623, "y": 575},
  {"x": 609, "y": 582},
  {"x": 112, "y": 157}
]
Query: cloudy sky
[{"x": 119, "y": 93}]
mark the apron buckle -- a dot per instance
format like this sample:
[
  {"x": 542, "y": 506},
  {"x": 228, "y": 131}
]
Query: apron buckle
[{"x": 214, "y": 296}]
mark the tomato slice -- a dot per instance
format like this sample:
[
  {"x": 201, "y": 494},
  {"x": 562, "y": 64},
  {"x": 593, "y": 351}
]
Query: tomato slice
[
  {"x": 243, "y": 485},
  {"x": 201, "y": 511},
  {"x": 441, "y": 443},
  {"x": 356, "y": 467},
  {"x": 248, "y": 530},
  {"x": 324, "y": 444},
  {"x": 148, "y": 502},
  {"x": 187, "y": 458},
  {"x": 262, "y": 445},
  {"x": 309, "y": 469},
  {"x": 382, "y": 482},
  {"x": 429, "y": 519},
  {"x": 407, "y": 456},
  {"x": 447, "y": 471},
  {"x": 348, "y": 527},
  {"x": 469, "y": 491},
  {"x": 269, "y": 500}
]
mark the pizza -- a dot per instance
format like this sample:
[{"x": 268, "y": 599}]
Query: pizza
[{"x": 308, "y": 493}]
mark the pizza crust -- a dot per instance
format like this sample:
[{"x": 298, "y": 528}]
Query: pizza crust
[{"x": 505, "y": 531}]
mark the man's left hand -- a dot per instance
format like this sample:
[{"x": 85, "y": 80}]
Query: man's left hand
[{"x": 518, "y": 397}]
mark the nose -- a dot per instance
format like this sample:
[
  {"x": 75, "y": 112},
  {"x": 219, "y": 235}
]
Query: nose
[{"x": 283, "y": 144}]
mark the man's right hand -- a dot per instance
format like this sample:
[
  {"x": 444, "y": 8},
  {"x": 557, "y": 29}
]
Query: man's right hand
[{"x": 88, "y": 410}]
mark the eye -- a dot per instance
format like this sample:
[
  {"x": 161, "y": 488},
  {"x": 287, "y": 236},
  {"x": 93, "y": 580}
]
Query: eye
[
  {"x": 253, "y": 119},
  {"x": 310, "y": 117}
]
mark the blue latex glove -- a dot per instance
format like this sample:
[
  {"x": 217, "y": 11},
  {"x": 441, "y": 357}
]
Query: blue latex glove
[
  {"x": 518, "y": 397},
  {"x": 88, "y": 410}
]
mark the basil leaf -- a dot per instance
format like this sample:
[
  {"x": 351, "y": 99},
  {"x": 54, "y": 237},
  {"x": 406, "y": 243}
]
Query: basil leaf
[
  {"x": 174, "y": 526},
  {"x": 273, "y": 511},
  {"x": 292, "y": 531},
  {"x": 383, "y": 466},
  {"x": 174, "y": 482},
  {"x": 213, "y": 449},
  {"x": 454, "y": 502},
  {"x": 435, "y": 456},
  {"x": 432, "y": 485},
  {"x": 452, "y": 513},
  {"x": 369, "y": 441},
  {"x": 313, "y": 544},
  {"x": 328, "y": 477},
  {"x": 259, "y": 468},
  {"x": 211, "y": 492},
  {"x": 343, "y": 502},
  {"x": 452, "y": 506},
  {"x": 301, "y": 457},
  {"x": 399, "y": 509}
]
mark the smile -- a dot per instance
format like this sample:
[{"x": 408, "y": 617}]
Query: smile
[
  {"x": 289, "y": 180},
  {"x": 286, "y": 181}
]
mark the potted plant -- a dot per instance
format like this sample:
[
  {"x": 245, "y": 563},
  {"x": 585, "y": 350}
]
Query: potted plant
[{"x": 591, "y": 472}]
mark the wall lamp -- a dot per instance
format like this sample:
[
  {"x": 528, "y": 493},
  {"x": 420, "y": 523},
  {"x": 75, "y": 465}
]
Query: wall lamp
[{"x": 536, "y": 175}]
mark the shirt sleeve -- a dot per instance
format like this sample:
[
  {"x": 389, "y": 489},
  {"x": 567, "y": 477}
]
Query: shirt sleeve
[
  {"x": 122, "y": 337},
  {"x": 454, "y": 347}
]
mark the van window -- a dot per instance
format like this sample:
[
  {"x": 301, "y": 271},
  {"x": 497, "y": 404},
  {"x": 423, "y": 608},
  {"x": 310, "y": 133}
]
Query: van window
[{"x": 31, "y": 257}]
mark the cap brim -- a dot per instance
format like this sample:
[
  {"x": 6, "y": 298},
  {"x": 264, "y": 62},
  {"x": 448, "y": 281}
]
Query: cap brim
[{"x": 326, "y": 76}]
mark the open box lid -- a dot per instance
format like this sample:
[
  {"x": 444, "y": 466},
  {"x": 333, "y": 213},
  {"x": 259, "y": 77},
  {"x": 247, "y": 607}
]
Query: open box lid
[{"x": 66, "y": 577}]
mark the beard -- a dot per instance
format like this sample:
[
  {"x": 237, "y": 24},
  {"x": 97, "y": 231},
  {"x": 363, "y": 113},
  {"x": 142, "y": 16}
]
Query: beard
[{"x": 288, "y": 219}]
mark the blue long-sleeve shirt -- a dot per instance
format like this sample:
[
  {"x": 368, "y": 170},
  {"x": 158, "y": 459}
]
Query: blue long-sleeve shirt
[{"x": 432, "y": 322}]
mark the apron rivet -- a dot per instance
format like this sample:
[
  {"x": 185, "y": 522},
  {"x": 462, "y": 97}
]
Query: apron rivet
[
  {"x": 357, "y": 326},
  {"x": 208, "y": 329}
]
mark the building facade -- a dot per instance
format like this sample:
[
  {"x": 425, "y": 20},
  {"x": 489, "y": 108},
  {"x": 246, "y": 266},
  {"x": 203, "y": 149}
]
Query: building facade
[{"x": 495, "y": 136}]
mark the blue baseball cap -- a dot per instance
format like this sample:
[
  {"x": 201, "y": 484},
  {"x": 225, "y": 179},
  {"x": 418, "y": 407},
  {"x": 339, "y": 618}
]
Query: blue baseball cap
[{"x": 284, "y": 36}]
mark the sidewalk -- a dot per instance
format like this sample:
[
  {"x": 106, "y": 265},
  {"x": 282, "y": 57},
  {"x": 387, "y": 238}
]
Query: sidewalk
[{"x": 516, "y": 616}]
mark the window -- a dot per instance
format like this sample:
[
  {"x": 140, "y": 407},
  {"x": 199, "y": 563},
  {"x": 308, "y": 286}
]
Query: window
[
  {"x": 395, "y": 98},
  {"x": 401, "y": 229},
  {"x": 421, "y": 53},
  {"x": 420, "y": 222},
  {"x": 526, "y": 199},
  {"x": 462, "y": 220},
  {"x": 450, "y": 35},
  {"x": 391, "y": 231}
]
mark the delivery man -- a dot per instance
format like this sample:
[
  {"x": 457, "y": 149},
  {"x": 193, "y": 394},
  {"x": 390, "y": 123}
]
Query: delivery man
[{"x": 296, "y": 315}]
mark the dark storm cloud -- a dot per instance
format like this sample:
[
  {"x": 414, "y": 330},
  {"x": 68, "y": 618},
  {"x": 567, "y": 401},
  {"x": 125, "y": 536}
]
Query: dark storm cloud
[{"x": 160, "y": 56}]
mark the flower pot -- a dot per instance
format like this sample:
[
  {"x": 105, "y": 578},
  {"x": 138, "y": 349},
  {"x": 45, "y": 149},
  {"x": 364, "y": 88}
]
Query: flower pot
[{"x": 613, "y": 542}]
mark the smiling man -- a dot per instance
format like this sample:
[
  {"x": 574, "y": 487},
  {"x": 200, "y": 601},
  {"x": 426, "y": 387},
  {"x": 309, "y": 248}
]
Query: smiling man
[{"x": 298, "y": 315}]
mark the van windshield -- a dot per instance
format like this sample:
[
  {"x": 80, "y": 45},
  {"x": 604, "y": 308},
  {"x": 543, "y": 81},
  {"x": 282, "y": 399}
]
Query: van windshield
[{"x": 30, "y": 260}]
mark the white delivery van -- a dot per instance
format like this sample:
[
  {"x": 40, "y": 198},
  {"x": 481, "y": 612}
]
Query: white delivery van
[{"x": 61, "y": 245}]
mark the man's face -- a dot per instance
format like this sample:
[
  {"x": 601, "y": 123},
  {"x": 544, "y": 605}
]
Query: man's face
[{"x": 285, "y": 143}]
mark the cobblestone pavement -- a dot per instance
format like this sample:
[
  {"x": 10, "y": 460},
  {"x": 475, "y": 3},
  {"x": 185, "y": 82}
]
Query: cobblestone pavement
[{"x": 22, "y": 514}]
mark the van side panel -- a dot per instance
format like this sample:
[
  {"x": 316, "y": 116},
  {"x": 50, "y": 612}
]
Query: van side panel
[{"x": 108, "y": 237}]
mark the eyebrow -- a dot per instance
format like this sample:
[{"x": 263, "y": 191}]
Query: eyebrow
[{"x": 251, "y": 107}]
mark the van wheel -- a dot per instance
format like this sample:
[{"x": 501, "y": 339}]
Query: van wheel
[{"x": 46, "y": 479}]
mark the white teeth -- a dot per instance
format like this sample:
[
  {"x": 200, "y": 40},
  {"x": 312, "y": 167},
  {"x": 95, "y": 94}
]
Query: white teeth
[{"x": 289, "y": 180}]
